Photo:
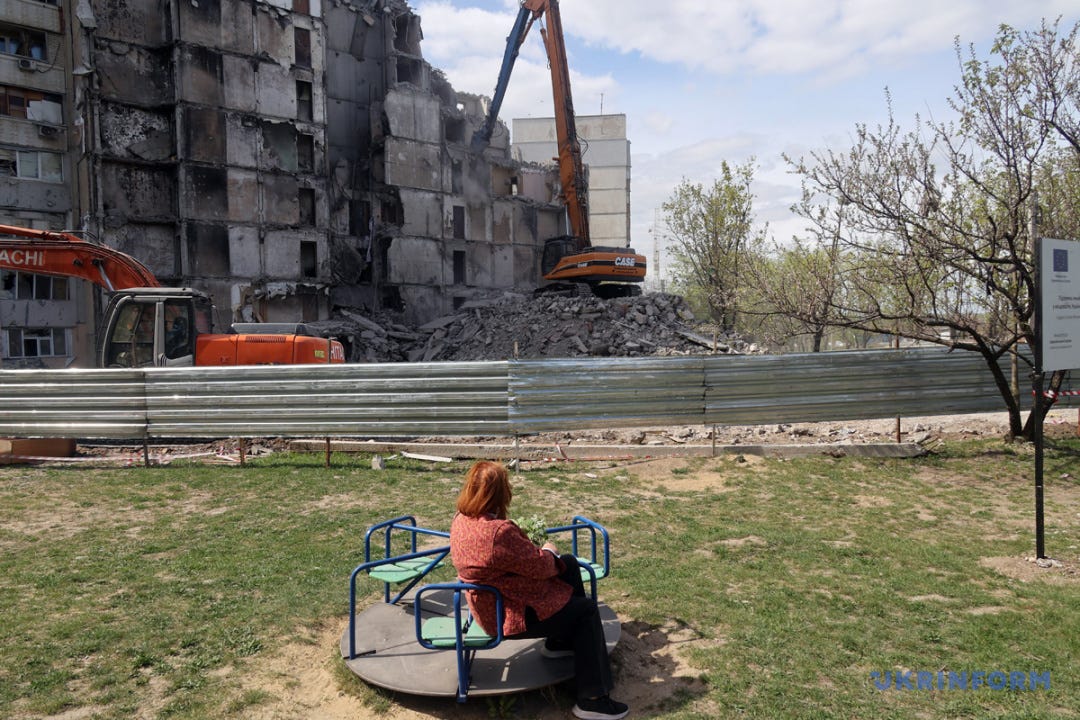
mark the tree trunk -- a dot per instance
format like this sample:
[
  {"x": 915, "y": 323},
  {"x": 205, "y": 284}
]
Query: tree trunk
[
  {"x": 1056, "y": 380},
  {"x": 1016, "y": 425}
]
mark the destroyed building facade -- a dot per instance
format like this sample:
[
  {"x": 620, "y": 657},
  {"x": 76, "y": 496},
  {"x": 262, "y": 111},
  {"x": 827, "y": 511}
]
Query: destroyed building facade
[
  {"x": 431, "y": 225},
  {"x": 290, "y": 157}
]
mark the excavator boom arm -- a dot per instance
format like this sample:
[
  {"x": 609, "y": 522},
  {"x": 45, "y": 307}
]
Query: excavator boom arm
[
  {"x": 65, "y": 255},
  {"x": 571, "y": 166},
  {"x": 517, "y": 35}
]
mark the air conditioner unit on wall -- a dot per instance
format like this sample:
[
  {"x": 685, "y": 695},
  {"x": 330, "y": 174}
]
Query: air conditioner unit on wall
[
  {"x": 26, "y": 64},
  {"x": 48, "y": 130}
]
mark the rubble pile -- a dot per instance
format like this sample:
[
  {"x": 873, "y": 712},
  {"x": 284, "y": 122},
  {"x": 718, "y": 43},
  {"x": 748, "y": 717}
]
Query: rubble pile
[{"x": 520, "y": 326}]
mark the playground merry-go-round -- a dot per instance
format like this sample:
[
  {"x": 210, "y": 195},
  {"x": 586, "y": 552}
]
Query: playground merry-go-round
[{"x": 421, "y": 640}]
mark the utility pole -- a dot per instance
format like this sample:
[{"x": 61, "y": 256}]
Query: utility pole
[{"x": 655, "y": 231}]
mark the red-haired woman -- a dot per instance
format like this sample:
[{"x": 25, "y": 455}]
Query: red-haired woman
[{"x": 543, "y": 595}]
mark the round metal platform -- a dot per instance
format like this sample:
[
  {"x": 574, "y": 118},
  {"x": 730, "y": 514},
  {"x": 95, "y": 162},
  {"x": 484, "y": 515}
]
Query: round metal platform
[{"x": 389, "y": 656}]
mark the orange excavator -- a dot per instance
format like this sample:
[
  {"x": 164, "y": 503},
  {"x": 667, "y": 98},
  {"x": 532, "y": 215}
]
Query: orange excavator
[
  {"x": 571, "y": 259},
  {"x": 147, "y": 325}
]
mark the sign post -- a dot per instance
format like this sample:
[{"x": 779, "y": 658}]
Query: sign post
[{"x": 1057, "y": 327}]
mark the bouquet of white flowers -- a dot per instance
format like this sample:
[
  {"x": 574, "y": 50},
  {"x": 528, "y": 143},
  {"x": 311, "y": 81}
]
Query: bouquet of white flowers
[{"x": 535, "y": 527}]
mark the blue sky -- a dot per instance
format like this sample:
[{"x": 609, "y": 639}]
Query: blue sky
[{"x": 703, "y": 82}]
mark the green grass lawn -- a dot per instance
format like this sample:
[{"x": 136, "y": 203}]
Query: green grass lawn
[{"x": 778, "y": 586}]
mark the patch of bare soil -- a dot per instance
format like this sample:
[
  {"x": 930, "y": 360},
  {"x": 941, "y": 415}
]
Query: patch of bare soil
[
  {"x": 1031, "y": 569},
  {"x": 675, "y": 474},
  {"x": 301, "y": 680}
]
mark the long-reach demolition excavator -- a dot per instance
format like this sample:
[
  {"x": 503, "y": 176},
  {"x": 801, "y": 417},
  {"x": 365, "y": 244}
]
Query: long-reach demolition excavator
[
  {"x": 568, "y": 260},
  {"x": 148, "y": 325}
]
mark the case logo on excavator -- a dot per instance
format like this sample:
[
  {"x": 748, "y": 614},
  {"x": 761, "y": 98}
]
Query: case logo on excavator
[
  {"x": 25, "y": 258},
  {"x": 625, "y": 261}
]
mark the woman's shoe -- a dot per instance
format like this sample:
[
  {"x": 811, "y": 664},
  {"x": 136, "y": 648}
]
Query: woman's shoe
[{"x": 601, "y": 708}]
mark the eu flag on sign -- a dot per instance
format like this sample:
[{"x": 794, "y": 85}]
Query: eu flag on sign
[{"x": 1061, "y": 260}]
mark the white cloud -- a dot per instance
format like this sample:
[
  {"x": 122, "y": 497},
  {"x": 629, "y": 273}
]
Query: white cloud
[
  {"x": 469, "y": 46},
  {"x": 659, "y": 123}
]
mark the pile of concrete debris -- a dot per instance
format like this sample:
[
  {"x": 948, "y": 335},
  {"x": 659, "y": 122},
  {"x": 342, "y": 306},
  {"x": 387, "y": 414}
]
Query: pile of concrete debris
[{"x": 520, "y": 326}]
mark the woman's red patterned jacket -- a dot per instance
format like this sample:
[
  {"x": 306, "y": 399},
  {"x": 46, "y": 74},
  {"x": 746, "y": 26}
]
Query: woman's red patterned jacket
[{"x": 489, "y": 551}]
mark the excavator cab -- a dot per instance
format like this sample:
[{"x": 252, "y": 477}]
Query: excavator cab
[
  {"x": 150, "y": 327},
  {"x": 555, "y": 249}
]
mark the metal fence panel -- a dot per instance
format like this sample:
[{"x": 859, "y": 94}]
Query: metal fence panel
[
  {"x": 606, "y": 392},
  {"x": 379, "y": 400},
  {"x": 815, "y": 387},
  {"x": 72, "y": 403}
]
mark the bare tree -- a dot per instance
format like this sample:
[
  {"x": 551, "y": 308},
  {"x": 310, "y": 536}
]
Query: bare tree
[
  {"x": 938, "y": 219},
  {"x": 803, "y": 281}
]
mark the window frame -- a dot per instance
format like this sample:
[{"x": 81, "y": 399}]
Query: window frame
[
  {"x": 21, "y": 41},
  {"x": 26, "y": 157},
  {"x": 55, "y": 340},
  {"x": 301, "y": 47},
  {"x": 41, "y": 287},
  {"x": 305, "y": 101}
]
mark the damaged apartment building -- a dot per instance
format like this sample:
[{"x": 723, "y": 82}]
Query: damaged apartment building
[{"x": 290, "y": 157}]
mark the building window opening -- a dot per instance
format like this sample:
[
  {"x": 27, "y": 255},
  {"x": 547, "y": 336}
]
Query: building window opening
[
  {"x": 384, "y": 258},
  {"x": 456, "y": 178},
  {"x": 32, "y": 165},
  {"x": 302, "y": 47},
  {"x": 301, "y": 6},
  {"x": 408, "y": 71},
  {"x": 307, "y": 206},
  {"x": 37, "y": 342},
  {"x": 305, "y": 152},
  {"x": 359, "y": 218},
  {"x": 393, "y": 213},
  {"x": 455, "y": 130},
  {"x": 304, "y": 106},
  {"x": 22, "y": 42},
  {"x": 16, "y": 102},
  {"x": 407, "y": 34},
  {"x": 309, "y": 258},
  {"x": 459, "y": 222},
  {"x": 28, "y": 286},
  {"x": 459, "y": 267}
]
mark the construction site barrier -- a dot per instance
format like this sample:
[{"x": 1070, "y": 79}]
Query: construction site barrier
[{"x": 493, "y": 399}]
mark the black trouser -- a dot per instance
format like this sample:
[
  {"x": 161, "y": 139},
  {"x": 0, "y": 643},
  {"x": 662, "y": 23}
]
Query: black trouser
[{"x": 577, "y": 625}]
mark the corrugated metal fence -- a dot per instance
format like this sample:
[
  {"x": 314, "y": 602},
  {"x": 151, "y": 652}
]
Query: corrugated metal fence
[{"x": 490, "y": 398}]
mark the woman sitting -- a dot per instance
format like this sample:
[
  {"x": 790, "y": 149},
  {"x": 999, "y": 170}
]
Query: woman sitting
[{"x": 543, "y": 595}]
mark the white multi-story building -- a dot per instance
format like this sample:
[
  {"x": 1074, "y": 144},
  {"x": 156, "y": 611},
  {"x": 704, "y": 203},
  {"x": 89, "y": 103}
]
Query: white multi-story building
[{"x": 605, "y": 152}]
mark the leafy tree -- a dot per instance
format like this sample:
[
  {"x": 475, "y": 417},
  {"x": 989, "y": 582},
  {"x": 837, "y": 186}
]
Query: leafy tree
[
  {"x": 938, "y": 219},
  {"x": 714, "y": 240}
]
